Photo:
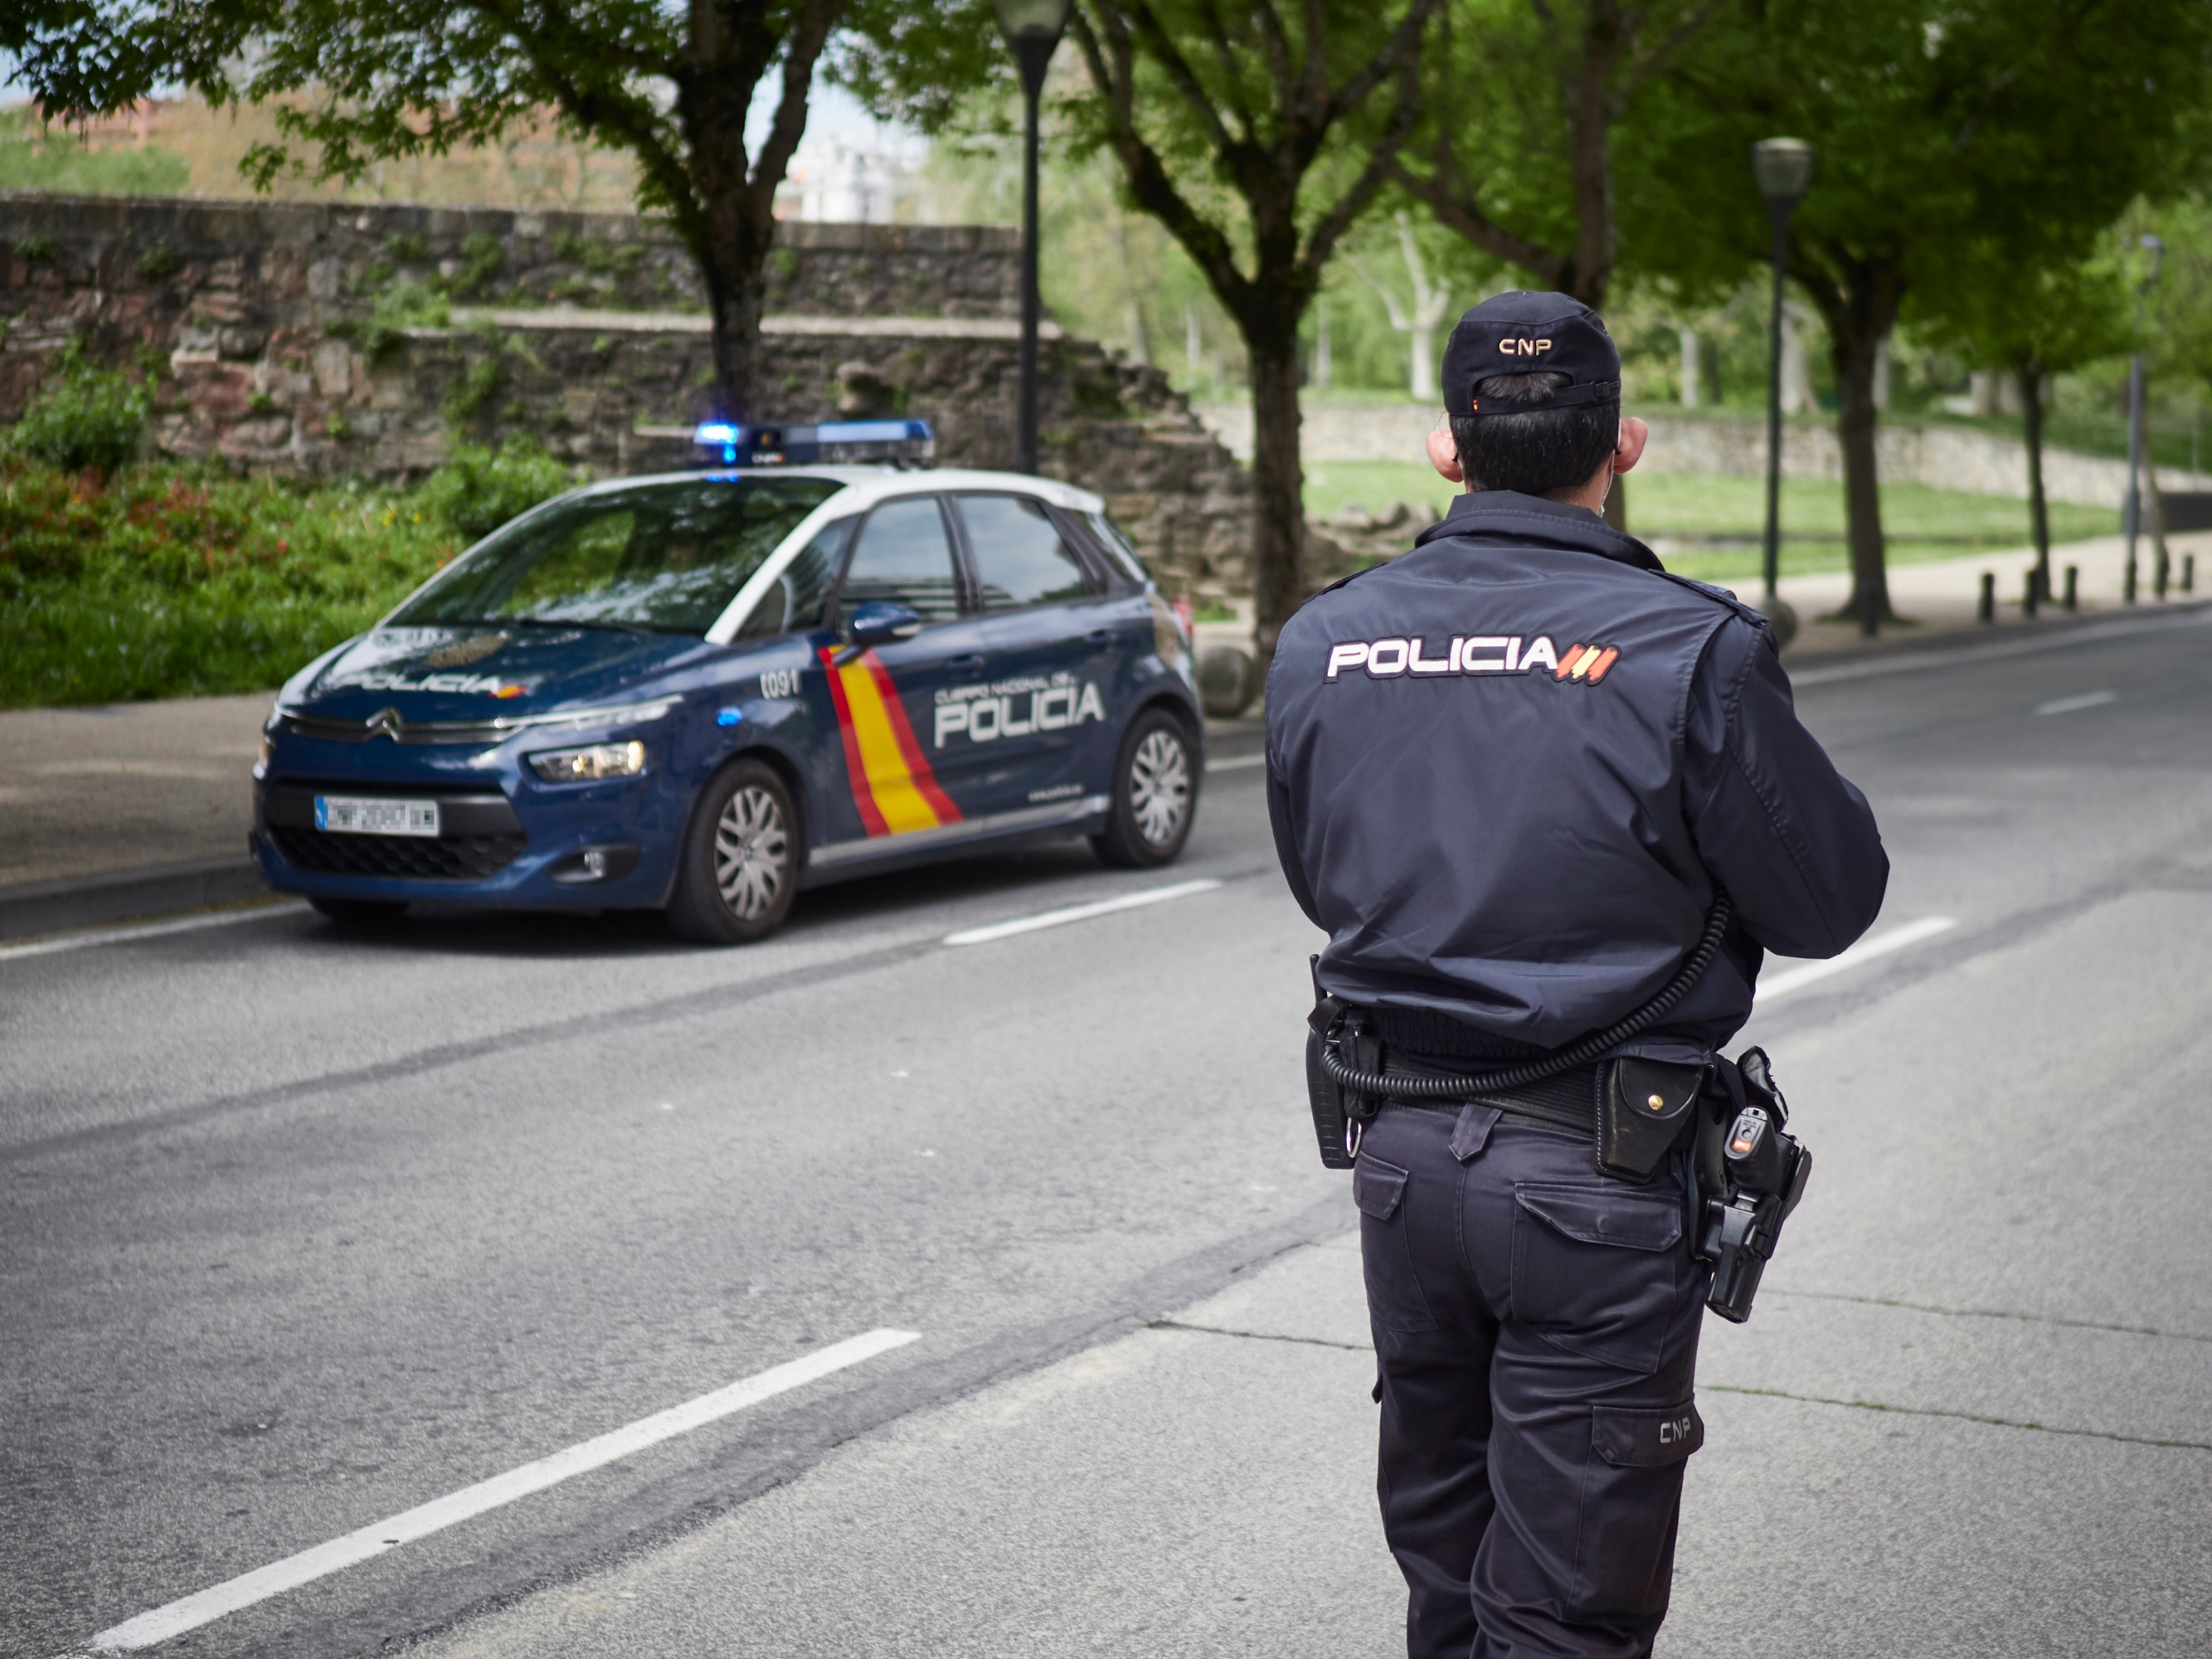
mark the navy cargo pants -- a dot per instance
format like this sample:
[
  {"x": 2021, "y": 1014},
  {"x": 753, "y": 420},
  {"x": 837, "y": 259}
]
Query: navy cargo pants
[{"x": 1535, "y": 1333}]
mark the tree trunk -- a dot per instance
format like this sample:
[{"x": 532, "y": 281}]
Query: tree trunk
[
  {"x": 1859, "y": 317},
  {"x": 736, "y": 288},
  {"x": 2038, "y": 512},
  {"x": 1278, "y": 516}
]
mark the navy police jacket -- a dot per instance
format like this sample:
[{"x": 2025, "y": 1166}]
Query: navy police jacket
[{"x": 1506, "y": 770}]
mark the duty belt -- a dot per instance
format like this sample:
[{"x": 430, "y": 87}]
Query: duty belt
[{"x": 1566, "y": 1100}]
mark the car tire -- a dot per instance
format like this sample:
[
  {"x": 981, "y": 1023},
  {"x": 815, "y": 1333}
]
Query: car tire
[
  {"x": 738, "y": 872},
  {"x": 361, "y": 913},
  {"x": 1155, "y": 794}
]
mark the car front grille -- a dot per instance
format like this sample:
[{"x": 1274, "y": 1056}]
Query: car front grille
[{"x": 448, "y": 858}]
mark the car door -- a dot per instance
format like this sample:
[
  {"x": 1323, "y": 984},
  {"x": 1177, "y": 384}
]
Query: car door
[
  {"x": 1052, "y": 644},
  {"x": 886, "y": 697}
]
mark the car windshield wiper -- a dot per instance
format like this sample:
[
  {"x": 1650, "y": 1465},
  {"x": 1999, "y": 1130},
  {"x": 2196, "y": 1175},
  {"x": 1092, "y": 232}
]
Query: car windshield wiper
[{"x": 579, "y": 622}]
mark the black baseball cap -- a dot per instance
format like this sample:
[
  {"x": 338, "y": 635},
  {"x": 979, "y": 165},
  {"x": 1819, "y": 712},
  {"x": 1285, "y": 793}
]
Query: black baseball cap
[{"x": 1524, "y": 333}]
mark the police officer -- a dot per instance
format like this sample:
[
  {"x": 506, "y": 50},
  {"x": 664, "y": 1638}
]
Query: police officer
[{"x": 1510, "y": 773}]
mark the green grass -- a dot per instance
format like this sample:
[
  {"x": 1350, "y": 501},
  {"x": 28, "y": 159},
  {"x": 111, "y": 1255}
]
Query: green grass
[
  {"x": 175, "y": 582},
  {"x": 1922, "y": 522}
]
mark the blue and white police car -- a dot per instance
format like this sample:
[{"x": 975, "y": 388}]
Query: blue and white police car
[{"x": 704, "y": 692}]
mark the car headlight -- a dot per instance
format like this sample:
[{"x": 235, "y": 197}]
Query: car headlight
[
  {"x": 600, "y": 760},
  {"x": 268, "y": 754}
]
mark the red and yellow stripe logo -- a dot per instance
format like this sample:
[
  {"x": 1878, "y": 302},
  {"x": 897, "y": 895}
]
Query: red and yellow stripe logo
[
  {"x": 892, "y": 784},
  {"x": 1585, "y": 663}
]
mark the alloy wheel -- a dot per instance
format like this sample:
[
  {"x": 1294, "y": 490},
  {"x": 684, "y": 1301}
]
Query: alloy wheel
[
  {"x": 1159, "y": 786},
  {"x": 752, "y": 848}
]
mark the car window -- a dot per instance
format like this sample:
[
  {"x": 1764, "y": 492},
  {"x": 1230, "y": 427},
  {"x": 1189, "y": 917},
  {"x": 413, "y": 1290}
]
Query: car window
[
  {"x": 1018, "y": 554},
  {"x": 903, "y": 558},
  {"x": 1124, "y": 552},
  {"x": 794, "y": 600},
  {"x": 664, "y": 558}
]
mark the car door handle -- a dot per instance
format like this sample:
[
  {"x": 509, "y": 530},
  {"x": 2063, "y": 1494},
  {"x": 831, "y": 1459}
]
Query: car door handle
[
  {"x": 970, "y": 664},
  {"x": 1099, "y": 637}
]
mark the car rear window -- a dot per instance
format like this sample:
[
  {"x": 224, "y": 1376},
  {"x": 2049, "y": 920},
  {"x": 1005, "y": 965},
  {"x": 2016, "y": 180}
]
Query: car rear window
[
  {"x": 663, "y": 558},
  {"x": 1118, "y": 545}
]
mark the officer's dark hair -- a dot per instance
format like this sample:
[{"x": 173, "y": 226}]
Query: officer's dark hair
[{"x": 1538, "y": 453}]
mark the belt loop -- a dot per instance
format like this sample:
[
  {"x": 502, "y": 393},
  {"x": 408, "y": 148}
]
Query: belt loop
[{"x": 1472, "y": 1132}]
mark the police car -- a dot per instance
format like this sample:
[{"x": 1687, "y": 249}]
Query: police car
[{"x": 704, "y": 692}]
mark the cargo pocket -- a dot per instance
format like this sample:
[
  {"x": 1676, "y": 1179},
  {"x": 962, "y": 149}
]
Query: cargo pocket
[
  {"x": 1598, "y": 1271},
  {"x": 1631, "y": 1498},
  {"x": 1386, "y": 1252}
]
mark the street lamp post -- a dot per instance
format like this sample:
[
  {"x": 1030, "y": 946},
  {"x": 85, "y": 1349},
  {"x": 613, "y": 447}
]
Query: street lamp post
[
  {"x": 2131, "y": 511},
  {"x": 1782, "y": 168},
  {"x": 1032, "y": 28}
]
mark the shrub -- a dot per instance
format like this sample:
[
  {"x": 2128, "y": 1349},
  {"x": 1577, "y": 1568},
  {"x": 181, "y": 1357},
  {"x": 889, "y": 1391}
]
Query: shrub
[
  {"x": 479, "y": 489},
  {"x": 402, "y": 306},
  {"x": 85, "y": 419}
]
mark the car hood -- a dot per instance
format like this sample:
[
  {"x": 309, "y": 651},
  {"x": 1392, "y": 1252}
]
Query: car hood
[{"x": 480, "y": 673}]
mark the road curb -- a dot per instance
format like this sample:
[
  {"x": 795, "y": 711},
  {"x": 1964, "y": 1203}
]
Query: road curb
[{"x": 54, "y": 906}]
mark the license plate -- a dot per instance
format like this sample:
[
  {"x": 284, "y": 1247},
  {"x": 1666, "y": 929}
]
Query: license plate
[{"x": 353, "y": 815}]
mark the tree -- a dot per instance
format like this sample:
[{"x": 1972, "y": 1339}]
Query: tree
[
  {"x": 2033, "y": 314},
  {"x": 1941, "y": 126},
  {"x": 360, "y": 80},
  {"x": 1431, "y": 305},
  {"x": 1515, "y": 152}
]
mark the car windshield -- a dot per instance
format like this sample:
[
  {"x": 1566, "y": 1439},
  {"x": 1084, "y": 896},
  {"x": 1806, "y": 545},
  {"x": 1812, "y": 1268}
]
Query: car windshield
[{"x": 664, "y": 558}]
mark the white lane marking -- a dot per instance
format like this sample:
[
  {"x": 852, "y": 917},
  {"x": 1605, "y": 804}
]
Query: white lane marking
[
  {"x": 150, "y": 930},
  {"x": 1968, "y": 656},
  {"x": 307, "y": 1565},
  {"x": 1236, "y": 762},
  {"x": 2067, "y": 705},
  {"x": 1078, "y": 913},
  {"x": 1791, "y": 979}
]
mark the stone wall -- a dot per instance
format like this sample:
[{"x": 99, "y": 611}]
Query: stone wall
[
  {"x": 1949, "y": 457},
  {"x": 262, "y": 319}
]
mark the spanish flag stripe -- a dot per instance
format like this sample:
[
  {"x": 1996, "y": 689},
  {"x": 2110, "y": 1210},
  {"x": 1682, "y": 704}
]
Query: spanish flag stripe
[
  {"x": 871, "y": 819},
  {"x": 889, "y": 780},
  {"x": 1605, "y": 662},
  {"x": 1583, "y": 663},
  {"x": 910, "y": 756},
  {"x": 1567, "y": 660}
]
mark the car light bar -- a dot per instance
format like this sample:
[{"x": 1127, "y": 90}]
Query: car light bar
[{"x": 730, "y": 443}]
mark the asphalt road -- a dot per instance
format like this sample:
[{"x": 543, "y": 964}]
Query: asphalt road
[{"x": 301, "y": 1230}]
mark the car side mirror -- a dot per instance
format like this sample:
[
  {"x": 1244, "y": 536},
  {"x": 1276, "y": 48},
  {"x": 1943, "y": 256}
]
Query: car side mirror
[{"x": 879, "y": 622}]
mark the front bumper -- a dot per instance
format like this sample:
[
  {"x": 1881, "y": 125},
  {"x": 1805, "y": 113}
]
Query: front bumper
[{"x": 534, "y": 852}]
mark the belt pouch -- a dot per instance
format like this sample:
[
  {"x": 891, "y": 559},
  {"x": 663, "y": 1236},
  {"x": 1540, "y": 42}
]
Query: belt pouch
[
  {"x": 1644, "y": 1107},
  {"x": 1327, "y": 1101}
]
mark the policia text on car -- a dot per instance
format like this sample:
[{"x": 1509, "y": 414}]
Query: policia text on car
[{"x": 1550, "y": 805}]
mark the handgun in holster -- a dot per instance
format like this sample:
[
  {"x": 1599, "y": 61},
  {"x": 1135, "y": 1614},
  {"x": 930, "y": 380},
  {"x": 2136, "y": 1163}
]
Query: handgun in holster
[
  {"x": 1339, "y": 1116},
  {"x": 1750, "y": 1176}
]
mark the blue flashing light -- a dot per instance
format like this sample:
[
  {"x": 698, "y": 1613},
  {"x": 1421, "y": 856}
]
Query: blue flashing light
[
  {"x": 898, "y": 443},
  {"x": 729, "y": 717}
]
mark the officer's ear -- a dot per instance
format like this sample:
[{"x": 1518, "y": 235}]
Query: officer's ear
[
  {"x": 1628, "y": 448},
  {"x": 1443, "y": 450}
]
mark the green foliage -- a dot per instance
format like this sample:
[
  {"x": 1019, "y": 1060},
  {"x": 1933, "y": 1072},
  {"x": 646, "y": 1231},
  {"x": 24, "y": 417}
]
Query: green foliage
[
  {"x": 408, "y": 248},
  {"x": 175, "y": 581},
  {"x": 479, "y": 488},
  {"x": 483, "y": 259},
  {"x": 33, "y": 157},
  {"x": 397, "y": 308},
  {"x": 36, "y": 247},
  {"x": 84, "y": 418},
  {"x": 599, "y": 256},
  {"x": 158, "y": 261}
]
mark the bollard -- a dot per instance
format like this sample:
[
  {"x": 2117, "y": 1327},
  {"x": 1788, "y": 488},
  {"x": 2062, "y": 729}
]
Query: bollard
[
  {"x": 1987, "y": 610},
  {"x": 2189, "y": 573},
  {"x": 2160, "y": 573},
  {"x": 2073, "y": 599},
  {"x": 2028, "y": 594}
]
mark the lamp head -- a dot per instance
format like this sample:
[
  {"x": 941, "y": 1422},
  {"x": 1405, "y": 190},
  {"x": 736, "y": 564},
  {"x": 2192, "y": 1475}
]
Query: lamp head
[
  {"x": 2155, "y": 246},
  {"x": 1031, "y": 19},
  {"x": 1782, "y": 166}
]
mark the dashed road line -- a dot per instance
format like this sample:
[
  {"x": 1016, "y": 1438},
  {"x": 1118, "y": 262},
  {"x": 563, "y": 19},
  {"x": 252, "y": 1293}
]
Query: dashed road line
[
  {"x": 91, "y": 936},
  {"x": 1878, "y": 945},
  {"x": 1236, "y": 762},
  {"x": 294, "y": 1571},
  {"x": 2070, "y": 705},
  {"x": 998, "y": 930}
]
